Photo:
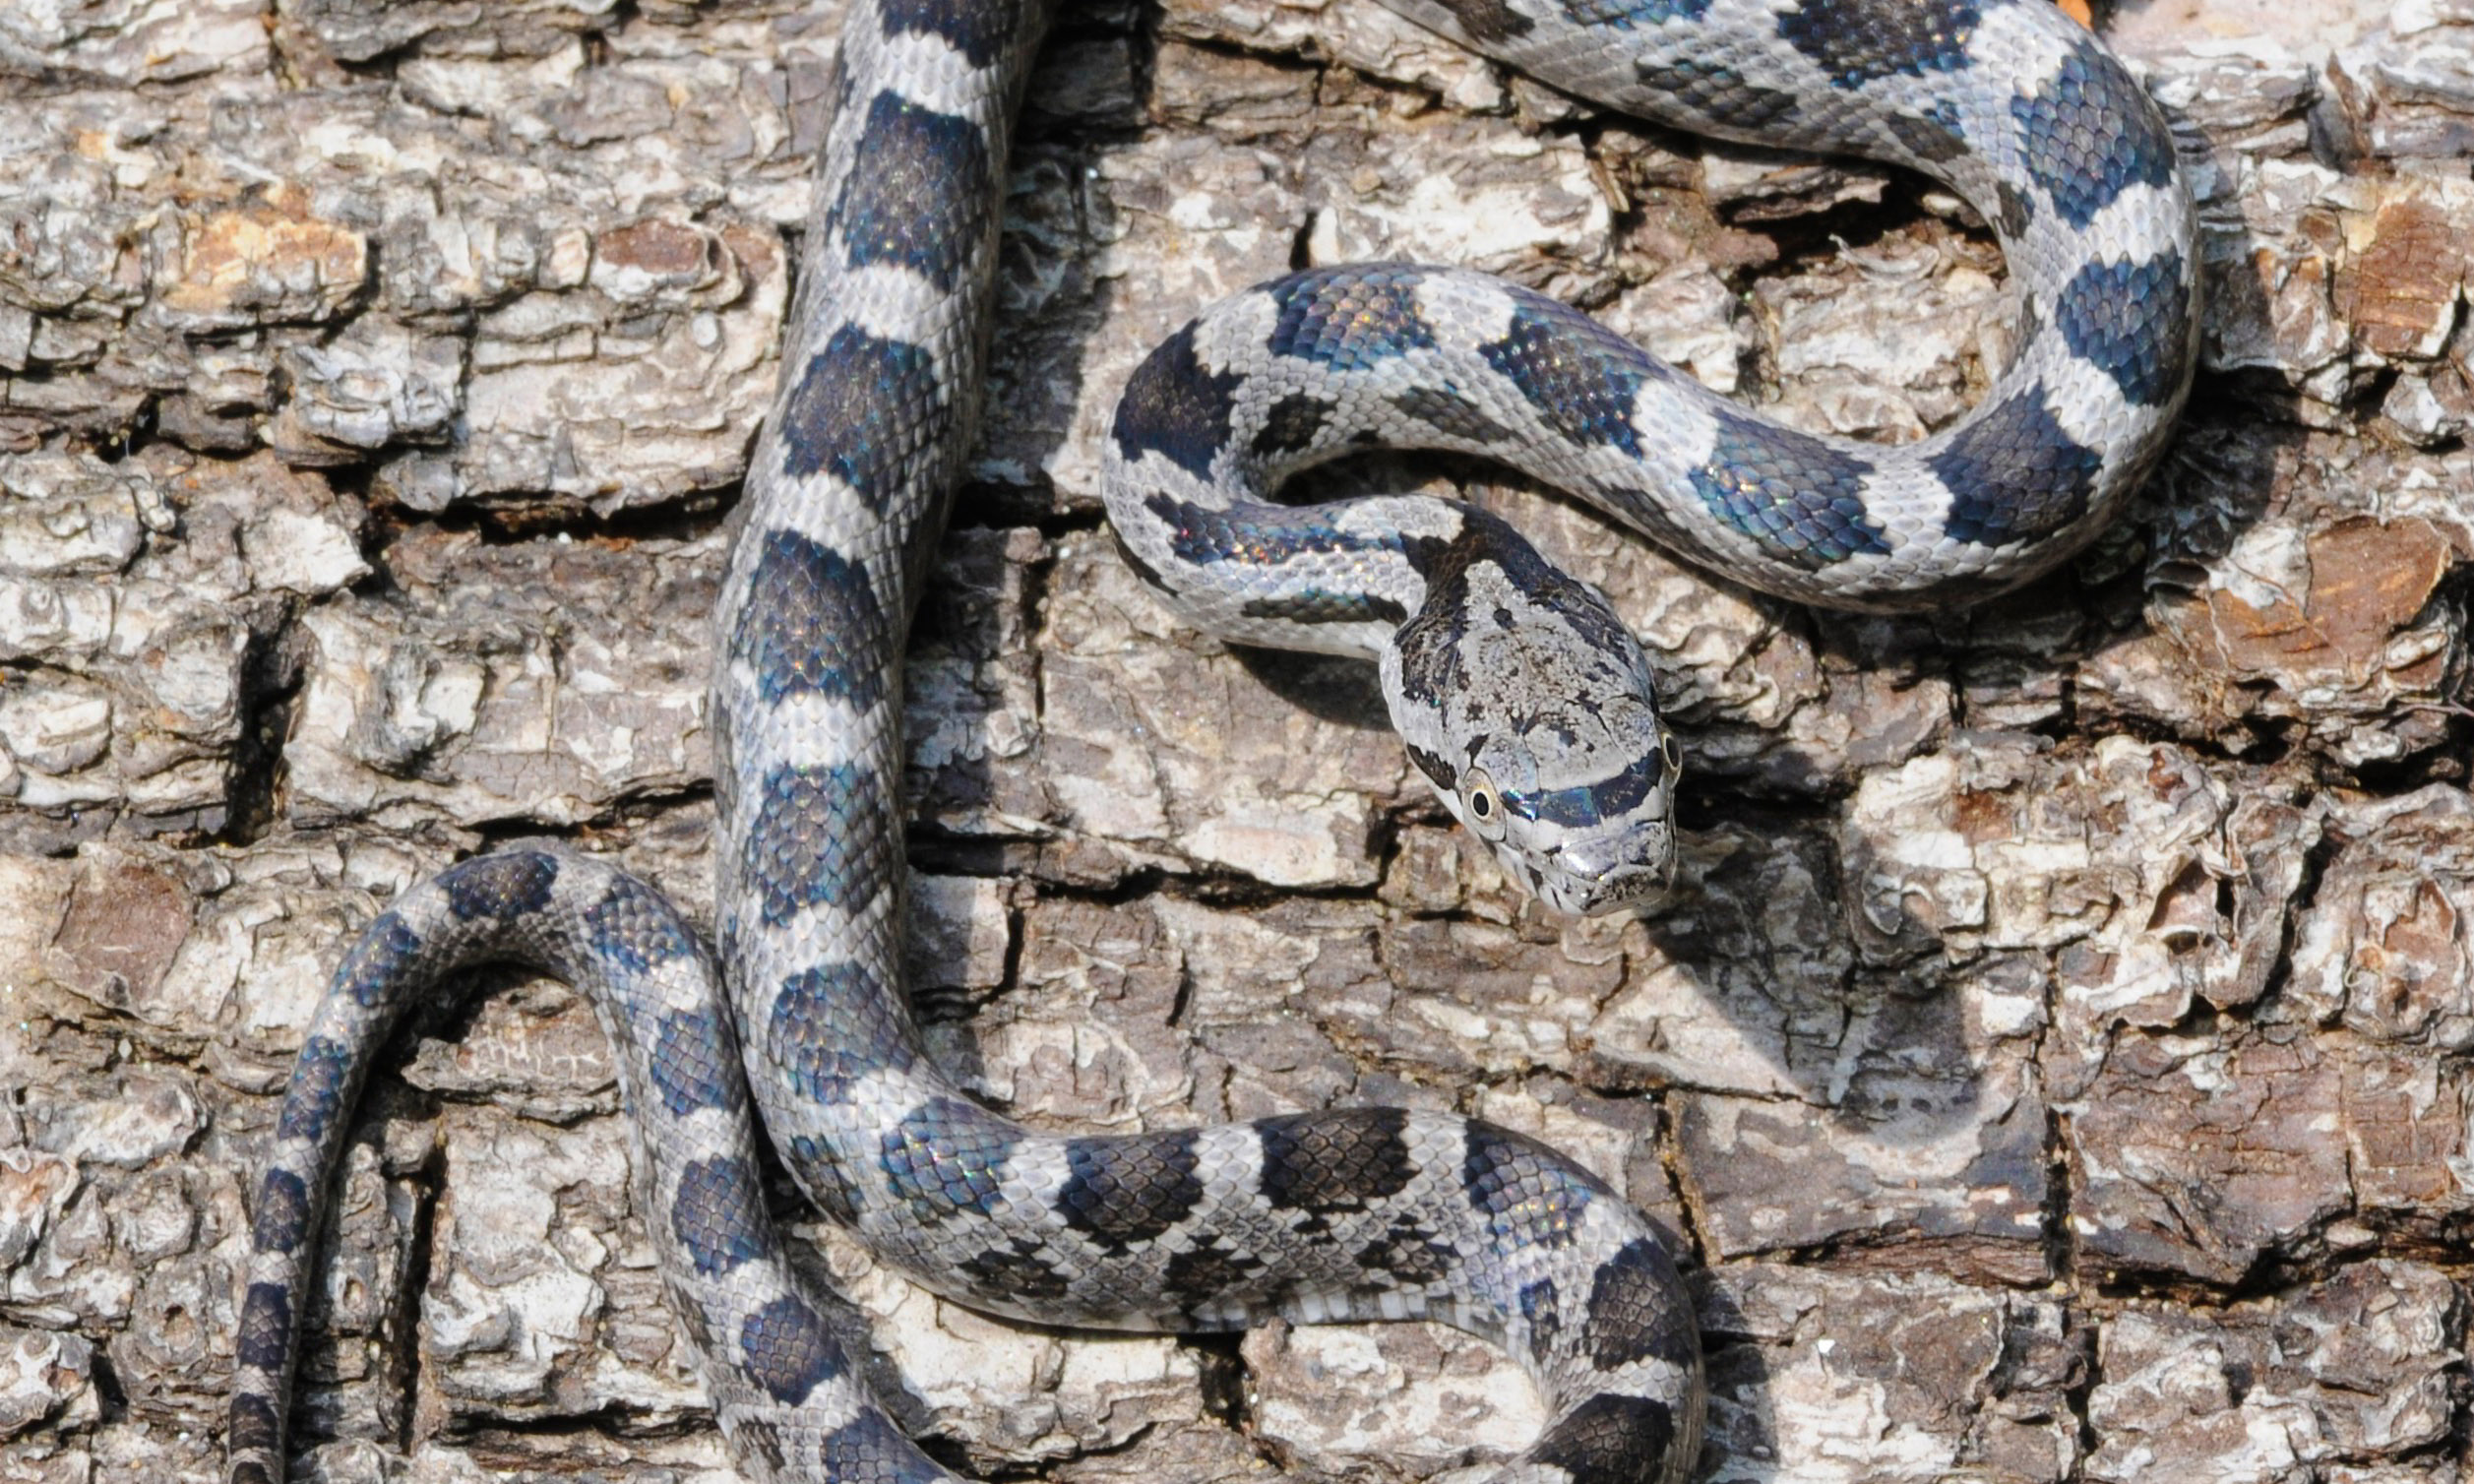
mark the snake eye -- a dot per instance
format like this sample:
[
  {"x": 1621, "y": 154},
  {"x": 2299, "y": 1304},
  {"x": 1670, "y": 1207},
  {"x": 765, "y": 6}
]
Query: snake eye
[{"x": 1484, "y": 803}]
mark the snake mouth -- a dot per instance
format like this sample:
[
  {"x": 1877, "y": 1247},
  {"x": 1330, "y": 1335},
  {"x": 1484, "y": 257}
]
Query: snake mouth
[
  {"x": 1622, "y": 892},
  {"x": 1603, "y": 877}
]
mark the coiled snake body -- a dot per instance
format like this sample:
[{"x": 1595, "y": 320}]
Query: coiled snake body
[{"x": 1516, "y": 691}]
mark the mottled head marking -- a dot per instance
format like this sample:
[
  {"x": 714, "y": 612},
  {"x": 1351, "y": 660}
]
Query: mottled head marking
[{"x": 1530, "y": 707}]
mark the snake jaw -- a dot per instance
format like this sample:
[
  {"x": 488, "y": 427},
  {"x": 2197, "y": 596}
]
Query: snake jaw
[
  {"x": 1612, "y": 873},
  {"x": 1586, "y": 819}
]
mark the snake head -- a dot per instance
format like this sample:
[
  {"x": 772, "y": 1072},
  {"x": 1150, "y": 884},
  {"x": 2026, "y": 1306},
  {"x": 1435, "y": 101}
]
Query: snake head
[
  {"x": 1530, "y": 707},
  {"x": 1586, "y": 821}
]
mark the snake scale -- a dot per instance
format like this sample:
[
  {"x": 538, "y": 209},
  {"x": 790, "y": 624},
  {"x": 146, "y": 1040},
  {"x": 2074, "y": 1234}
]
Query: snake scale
[{"x": 1517, "y": 692}]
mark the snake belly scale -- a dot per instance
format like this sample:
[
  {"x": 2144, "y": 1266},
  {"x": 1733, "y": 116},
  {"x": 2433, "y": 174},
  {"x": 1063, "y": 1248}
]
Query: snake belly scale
[{"x": 797, "y": 1009}]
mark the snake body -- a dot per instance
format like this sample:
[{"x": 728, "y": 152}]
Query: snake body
[
  {"x": 1367, "y": 1214},
  {"x": 1519, "y": 696}
]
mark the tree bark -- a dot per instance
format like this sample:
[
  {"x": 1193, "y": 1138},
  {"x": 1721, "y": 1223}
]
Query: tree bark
[{"x": 2055, "y": 1059}]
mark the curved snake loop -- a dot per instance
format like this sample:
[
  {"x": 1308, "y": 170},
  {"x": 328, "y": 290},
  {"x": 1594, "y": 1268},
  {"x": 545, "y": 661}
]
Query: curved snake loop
[{"x": 1371, "y": 1213}]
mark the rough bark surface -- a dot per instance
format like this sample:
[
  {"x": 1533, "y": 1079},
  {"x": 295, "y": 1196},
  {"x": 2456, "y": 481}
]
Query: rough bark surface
[{"x": 2059, "y": 1059}]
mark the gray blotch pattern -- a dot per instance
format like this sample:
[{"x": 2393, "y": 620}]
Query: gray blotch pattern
[
  {"x": 1364, "y": 1213},
  {"x": 2009, "y": 101}
]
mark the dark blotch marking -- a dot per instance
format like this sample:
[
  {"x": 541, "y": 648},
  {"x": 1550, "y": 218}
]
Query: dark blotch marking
[
  {"x": 811, "y": 623},
  {"x": 1859, "y": 43},
  {"x": 1579, "y": 376},
  {"x": 1541, "y": 1307},
  {"x": 1584, "y": 804},
  {"x": 946, "y": 1157},
  {"x": 635, "y": 927},
  {"x": 1490, "y": 20},
  {"x": 785, "y": 1349},
  {"x": 1015, "y": 1275},
  {"x": 821, "y": 1176},
  {"x": 976, "y": 29},
  {"x": 321, "y": 1077},
  {"x": 1438, "y": 771},
  {"x": 2031, "y": 323},
  {"x": 374, "y": 968},
  {"x": 1632, "y": 15},
  {"x": 753, "y": 1437},
  {"x": 719, "y": 1215},
  {"x": 1934, "y": 137},
  {"x": 2131, "y": 322},
  {"x": 841, "y": 85},
  {"x": 1316, "y": 605},
  {"x": 281, "y": 1224},
  {"x": 1412, "y": 1254},
  {"x": 2090, "y": 133},
  {"x": 1796, "y": 495},
  {"x": 1174, "y": 407},
  {"x": 1334, "y": 1162},
  {"x": 1610, "y": 1439},
  {"x": 1530, "y": 1195},
  {"x": 872, "y": 412},
  {"x": 919, "y": 191},
  {"x": 819, "y": 836},
  {"x": 1450, "y": 414},
  {"x": 1429, "y": 645},
  {"x": 1636, "y": 1309},
  {"x": 695, "y": 1063},
  {"x": 867, "y": 1449},
  {"x": 832, "y": 1024},
  {"x": 500, "y": 888},
  {"x": 1126, "y": 1191},
  {"x": 1210, "y": 1271},
  {"x": 1141, "y": 569},
  {"x": 688, "y": 1309},
  {"x": 251, "y": 1472},
  {"x": 1719, "y": 94},
  {"x": 2016, "y": 211},
  {"x": 252, "y": 1426},
  {"x": 1350, "y": 318},
  {"x": 1255, "y": 534},
  {"x": 1290, "y": 427},
  {"x": 265, "y": 1327},
  {"x": 2014, "y": 474}
]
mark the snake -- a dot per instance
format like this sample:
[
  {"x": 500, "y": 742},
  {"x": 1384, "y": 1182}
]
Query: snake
[{"x": 1517, "y": 689}]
